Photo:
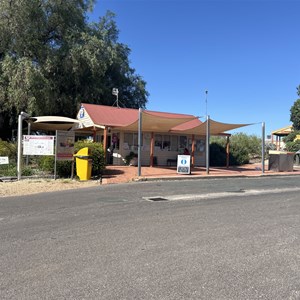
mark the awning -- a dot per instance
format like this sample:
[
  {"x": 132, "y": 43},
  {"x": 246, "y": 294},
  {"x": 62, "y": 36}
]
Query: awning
[
  {"x": 283, "y": 131},
  {"x": 51, "y": 123},
  {"x": 158, "y": 122},
  {"x": 216, "y": 128}
]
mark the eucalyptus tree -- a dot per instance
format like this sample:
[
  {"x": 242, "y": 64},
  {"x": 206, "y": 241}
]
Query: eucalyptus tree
[
  {"x": 52, "y": 58},
  {"x": 295, "y": 112}
]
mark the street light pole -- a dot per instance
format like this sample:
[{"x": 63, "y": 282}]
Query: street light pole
[
  {"x": 263, "y": 148},
  {"x": 207, "y": 143},
  {"x": 22, "y": 116},
  {"x": 140, "y": 143}
]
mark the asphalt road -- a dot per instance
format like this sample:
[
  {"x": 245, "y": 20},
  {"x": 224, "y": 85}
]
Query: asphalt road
[{"x": 205, "y": 239}]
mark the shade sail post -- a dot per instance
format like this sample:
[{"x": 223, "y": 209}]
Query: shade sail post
[
  {"x": 207, "y": 143},
  {"x": 140, "y": 142},
  {"x": 227, "y": 151},
  {"x": 263, "y": 147}
]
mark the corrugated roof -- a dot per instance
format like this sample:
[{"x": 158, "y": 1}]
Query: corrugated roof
[
  {"x": 109, "y": 115},
  {"x": 283, "y": 131},
  {"x": 121, "y": 117}
]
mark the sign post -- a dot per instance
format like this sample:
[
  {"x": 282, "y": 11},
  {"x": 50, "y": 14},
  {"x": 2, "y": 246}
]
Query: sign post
[{"x": 65, "y": 141}]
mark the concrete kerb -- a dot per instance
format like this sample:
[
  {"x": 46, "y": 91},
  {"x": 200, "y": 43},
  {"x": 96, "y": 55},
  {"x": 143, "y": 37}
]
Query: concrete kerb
[{"x": 196, "y": 177}]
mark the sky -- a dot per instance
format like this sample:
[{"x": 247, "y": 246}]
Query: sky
[{"x": 244, "y": 53}]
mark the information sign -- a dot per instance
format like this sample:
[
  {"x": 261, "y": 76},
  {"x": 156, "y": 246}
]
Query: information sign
[
  {"x": 4, "y": 160},
  {"x": 65, "y": 145},
  {"x": 183, "y": 164},
  {"x": 38, "y": 145}
]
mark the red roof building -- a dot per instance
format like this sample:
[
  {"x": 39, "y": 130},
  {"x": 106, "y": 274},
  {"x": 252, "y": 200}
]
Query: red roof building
[{"x": 164, "y": 135}]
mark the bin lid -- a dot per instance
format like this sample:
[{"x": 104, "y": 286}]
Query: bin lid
[{"x": 83, "y": 152}]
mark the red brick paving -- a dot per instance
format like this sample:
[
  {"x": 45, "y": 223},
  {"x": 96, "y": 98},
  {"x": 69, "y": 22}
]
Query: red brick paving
[{"x": 122, "y": 174}]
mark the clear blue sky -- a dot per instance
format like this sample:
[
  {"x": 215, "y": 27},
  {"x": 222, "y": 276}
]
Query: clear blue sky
[{"x": 246, "y": 54}]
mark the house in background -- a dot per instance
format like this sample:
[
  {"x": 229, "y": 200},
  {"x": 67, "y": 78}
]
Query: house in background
[{"x": 164, "y": 135}]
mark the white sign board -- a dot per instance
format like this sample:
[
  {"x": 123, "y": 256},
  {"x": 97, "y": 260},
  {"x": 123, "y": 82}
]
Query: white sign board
[
  {"x": 184, "y": 164},
  {"x": 4, "y": 160},
  {"x": 65, "y": 145},
  {"x": 38, "y": 145}
]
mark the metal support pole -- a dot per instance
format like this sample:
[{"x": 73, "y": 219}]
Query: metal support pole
[
  {"x": 22, "y": 116},
  {"x": 263, "y": 148},
  {"x": 140, "y": 142},
  {"x": 19, "y": 169},
  {"x": 207, "y": 143},
  {"x": 28, "y": 132}
]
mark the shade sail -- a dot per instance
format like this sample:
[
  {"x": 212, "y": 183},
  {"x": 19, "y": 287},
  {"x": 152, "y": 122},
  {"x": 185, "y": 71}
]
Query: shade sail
[
  {"x": 158, "y": 122},
  {"x": 51, "y": 123},
  {"x": 216, "y": 128}
]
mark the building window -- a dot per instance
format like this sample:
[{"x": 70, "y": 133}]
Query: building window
[
  {"x": 183, "y": 142},
  {"x": 158, "y": 141},
  {"x": 166, "y": 143},
  {"x": 200, "y": 145},
  {"x": 174, "y": 142},
  {"x": 131, "y": 141},
  {"x": 115, "y": 140}
]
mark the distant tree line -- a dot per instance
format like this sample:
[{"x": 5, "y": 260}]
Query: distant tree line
[
  {"x": 292, "y": 144},
  {"x": 52, "y": 59}
]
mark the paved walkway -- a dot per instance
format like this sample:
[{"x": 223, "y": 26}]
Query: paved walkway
[{"x": 122, "y": 174}]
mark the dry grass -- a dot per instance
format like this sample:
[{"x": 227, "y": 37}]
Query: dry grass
[{"x": 33, "y": 186}]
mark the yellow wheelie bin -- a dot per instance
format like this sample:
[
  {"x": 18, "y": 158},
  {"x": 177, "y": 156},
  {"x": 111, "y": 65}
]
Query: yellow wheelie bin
[{"x": 83, "y": 164}]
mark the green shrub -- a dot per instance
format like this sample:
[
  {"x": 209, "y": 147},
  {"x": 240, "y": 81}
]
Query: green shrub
[
  {"x": 242, "y": 148},
  {"x": 217, "y": 154},
  {"x": 129, "y": 157},
  {"x": 8, "y": 149},
  {"x": 27, "y": 171},
  {"x": 97, "y": 155},
  {"x": 63, "y": 168},
  {"x": 291, "y": 144},
  {"x": 8, "y": 170}
]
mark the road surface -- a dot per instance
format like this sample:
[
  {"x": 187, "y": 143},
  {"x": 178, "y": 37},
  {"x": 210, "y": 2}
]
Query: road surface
[{"x": 201, "y": 239}]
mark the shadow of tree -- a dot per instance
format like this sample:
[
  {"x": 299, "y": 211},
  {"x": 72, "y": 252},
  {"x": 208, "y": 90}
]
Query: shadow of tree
[{"x": 107, "y": 173}]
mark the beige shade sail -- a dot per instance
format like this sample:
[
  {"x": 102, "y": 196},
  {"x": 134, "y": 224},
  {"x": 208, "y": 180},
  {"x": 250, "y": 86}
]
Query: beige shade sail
[
  {"x": 216, "y": 128},
  {"x": 157, "y": 122},
  {"x": 51, "y": 123}
]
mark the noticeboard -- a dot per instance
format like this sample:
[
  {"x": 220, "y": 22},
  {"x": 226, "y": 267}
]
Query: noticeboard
[
  {"x": 38, "y": 145},
  {"x": 184, "y": 164},
  {"x": 65, "y": 145}
]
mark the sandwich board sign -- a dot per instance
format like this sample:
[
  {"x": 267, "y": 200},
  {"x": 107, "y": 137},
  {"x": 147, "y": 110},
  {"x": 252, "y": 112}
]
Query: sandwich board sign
[{"x": 184, "y": 164}]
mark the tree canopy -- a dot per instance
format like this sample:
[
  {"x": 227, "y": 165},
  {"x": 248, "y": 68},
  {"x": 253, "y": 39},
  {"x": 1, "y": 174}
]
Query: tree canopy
[
  {"x": 52, "y": 59},
  {"x": 295, "y": 112}
]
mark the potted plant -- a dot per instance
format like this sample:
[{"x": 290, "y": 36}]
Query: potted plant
[{"x": 131, "y": 159}]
